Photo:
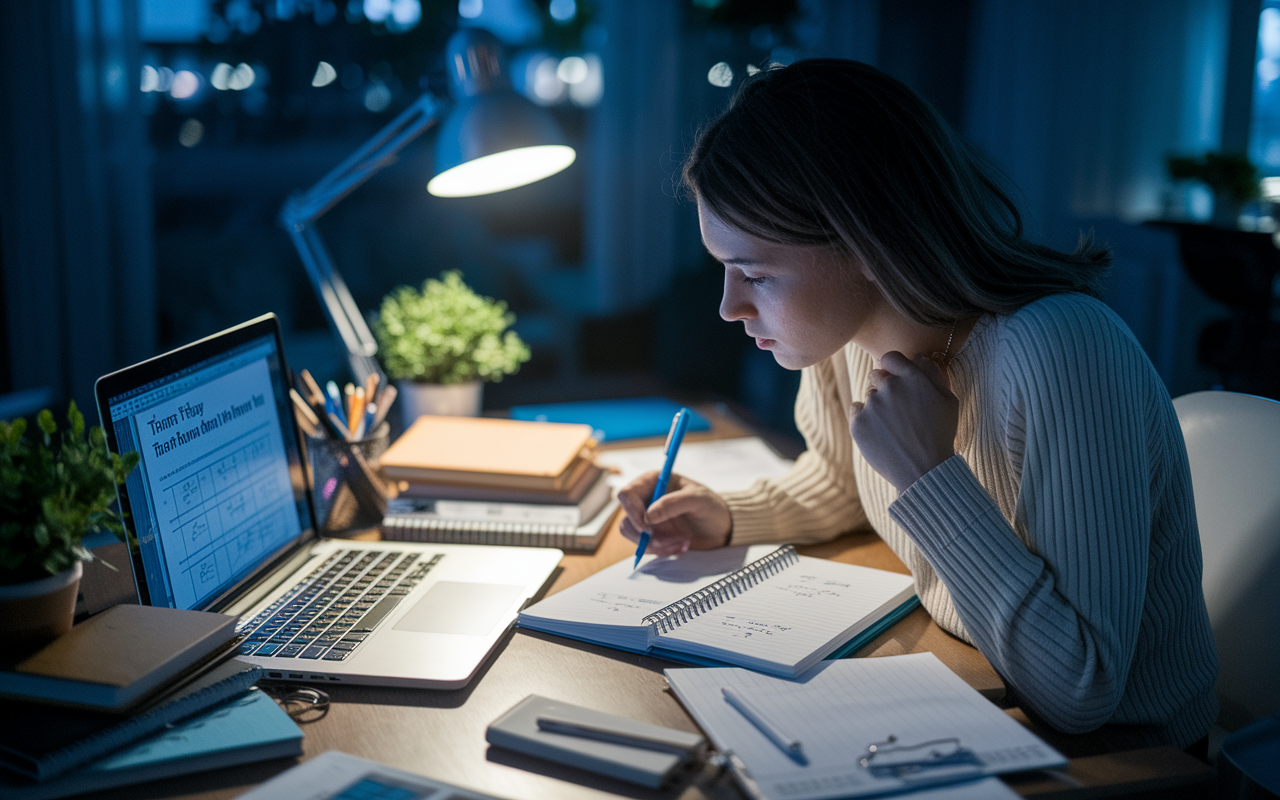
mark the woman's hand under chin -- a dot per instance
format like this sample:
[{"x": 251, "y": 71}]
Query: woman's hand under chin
[
  {"x": 688, "y": 517},
  {"x": 907, "y": 426}
]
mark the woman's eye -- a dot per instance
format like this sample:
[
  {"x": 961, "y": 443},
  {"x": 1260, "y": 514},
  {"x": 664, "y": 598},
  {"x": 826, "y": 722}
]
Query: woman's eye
[{"x": 754, "y": 281}]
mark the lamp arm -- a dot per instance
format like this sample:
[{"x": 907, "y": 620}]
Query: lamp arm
[{"x": 301, "y": 210}]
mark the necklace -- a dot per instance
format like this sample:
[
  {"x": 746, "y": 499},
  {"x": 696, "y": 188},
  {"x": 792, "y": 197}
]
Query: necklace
[{"x": 941, "y": 358}]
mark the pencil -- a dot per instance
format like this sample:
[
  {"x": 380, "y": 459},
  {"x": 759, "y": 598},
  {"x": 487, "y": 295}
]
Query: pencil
[
  {"x": 348, "y": 405},
  {"x": 313, "y": 389},
  {"x": 303, "y": 408},
  {"x": 355, "y": 417},
  {"x": 384, "y": 404}
]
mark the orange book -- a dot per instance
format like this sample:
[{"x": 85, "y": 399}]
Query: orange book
[{"x": 482, "y": 451}]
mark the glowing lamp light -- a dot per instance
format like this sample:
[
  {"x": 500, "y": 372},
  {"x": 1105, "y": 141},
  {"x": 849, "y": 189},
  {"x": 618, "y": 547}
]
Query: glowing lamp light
[
  {"x": 502, "y": 171},
  {"x": 493, "y": 139}
]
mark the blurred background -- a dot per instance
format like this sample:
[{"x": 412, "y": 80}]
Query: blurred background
[{"x": 147, "y": 146}]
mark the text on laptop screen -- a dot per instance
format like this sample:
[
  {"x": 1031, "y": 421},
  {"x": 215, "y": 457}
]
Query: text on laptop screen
[{"x": 211, "y": 499}]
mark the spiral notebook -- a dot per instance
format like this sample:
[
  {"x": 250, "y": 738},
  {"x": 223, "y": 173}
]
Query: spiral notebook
[
  {"x": 505, "y": 527},
  {"x": 764, "y": 608}
]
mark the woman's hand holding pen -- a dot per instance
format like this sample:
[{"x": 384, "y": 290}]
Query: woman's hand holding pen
[
  {"x": 688, "y": 517},
  {"x": 907, "y": 426}
]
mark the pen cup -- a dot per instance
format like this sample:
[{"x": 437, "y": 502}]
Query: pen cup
[{"x": 338, "y": 510}]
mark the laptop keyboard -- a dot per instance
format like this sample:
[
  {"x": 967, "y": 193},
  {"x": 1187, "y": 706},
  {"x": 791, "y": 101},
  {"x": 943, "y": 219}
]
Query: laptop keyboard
[{"x": 335, "y": 608}]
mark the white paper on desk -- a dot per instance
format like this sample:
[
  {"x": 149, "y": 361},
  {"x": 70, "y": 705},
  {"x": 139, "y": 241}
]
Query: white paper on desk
[
  {"x": 609, "y": 607},
  {"x": 840, "y": 708},
  {"x": 724, "y": 465}
]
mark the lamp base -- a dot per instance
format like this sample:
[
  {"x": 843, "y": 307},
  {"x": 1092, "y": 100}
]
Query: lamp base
[{"x": 452, "y": 400}]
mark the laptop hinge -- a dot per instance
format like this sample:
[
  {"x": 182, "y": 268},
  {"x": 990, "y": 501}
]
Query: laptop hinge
[{"x": 261, "y": 588}]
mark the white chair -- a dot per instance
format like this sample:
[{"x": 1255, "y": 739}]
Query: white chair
[{"x": 1233, "y": 444}]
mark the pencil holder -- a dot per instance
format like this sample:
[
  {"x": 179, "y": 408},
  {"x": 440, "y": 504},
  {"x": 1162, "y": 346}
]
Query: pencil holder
[{"x": 339, "y": 509}]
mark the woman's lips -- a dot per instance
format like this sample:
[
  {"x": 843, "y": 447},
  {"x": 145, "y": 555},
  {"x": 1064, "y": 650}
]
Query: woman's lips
[{"x": 764, "y": 344}]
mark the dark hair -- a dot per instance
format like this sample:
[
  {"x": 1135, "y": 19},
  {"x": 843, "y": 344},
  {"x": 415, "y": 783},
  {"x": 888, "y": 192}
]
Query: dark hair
[{"x": 834, "y": 152}]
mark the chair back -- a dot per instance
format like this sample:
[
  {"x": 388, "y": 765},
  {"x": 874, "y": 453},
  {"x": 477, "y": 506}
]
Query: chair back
[{"x": 1233, "y": 446}]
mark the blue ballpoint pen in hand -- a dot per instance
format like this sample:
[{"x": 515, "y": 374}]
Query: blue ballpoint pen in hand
[{"x": 679, "y": 424}]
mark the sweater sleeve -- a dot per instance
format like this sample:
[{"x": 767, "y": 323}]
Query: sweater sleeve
[
  {"x": 818, "y": 499},
  {"x": 1057, "y": 609}
]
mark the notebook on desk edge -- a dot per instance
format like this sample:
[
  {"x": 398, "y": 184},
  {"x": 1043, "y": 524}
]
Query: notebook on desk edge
[{"x": 222, "y": 520}]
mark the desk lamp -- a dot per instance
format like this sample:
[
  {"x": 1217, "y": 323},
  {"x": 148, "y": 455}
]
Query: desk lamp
[{"x": 492, "y": 140}]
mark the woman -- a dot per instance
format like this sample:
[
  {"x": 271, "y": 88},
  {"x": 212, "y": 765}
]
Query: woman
[{"x": 964, "y": 393}]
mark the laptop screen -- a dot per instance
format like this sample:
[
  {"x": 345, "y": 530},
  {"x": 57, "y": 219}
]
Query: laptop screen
[{"x": 213, "y": 497}]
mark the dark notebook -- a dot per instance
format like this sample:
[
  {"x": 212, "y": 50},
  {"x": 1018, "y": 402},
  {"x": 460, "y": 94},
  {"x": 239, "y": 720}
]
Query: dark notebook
[
  {"x": 119, "y": 658},
  {"x": 41, "y": 741}
]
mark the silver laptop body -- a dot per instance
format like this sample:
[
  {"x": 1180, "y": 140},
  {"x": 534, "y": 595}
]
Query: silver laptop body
[{"x": 220, "y": 519}]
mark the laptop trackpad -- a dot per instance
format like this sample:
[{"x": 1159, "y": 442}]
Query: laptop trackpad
[{"x": 468, "y": 609}]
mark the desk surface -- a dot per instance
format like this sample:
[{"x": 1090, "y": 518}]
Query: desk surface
[{"x": 441, "y": 733}]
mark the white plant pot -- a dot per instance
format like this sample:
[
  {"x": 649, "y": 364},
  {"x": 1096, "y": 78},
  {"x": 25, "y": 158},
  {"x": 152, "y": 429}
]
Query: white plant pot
[
  {"x": 453, "y": 400},
  {"x": 38, "y": 611}
]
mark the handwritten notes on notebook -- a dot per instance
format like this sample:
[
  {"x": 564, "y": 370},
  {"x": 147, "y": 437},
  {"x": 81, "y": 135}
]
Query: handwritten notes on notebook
[
  {"x": 609, "y": 607},
  {"x": 842, "y": 708},
  {"x": 765, "y": 608},
  {"x": 792, "y": 619}
]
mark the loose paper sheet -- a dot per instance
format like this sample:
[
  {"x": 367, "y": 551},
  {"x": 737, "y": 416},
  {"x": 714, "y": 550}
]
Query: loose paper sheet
[
  {"x": 725, "y": 465},
  {"x": 840, "y": 708}
]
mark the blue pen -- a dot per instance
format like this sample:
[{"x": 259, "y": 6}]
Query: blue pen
[
  {"x": 333, "y": 402},
  {"x": 679, "y": 424}
]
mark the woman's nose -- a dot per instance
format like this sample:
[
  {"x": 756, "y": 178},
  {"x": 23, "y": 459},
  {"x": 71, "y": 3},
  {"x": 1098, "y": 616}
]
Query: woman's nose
[{"x": 733, "y": 306}]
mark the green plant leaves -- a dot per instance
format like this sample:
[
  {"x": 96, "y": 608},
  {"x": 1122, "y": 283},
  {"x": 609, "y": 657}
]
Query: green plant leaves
[
  {"x": 54, "y": 493},
  {"x": 1230, "y": 174},
  {"x": 446, "y": 333}
]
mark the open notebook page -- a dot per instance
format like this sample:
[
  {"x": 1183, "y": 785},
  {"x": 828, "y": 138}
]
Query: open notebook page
[
  {"x": 793, "y": 618},
  {"x": 841, "y": 707},
  {"x": 610, "y": 606}
]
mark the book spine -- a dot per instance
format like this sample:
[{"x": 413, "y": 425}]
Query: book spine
[
  {"x": 712, "y": 595},
  {"x": 136, "y": 727}
]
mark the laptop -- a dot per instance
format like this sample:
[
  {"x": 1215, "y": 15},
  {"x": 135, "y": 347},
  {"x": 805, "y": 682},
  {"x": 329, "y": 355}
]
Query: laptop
[{"x": 220, "y": 519}]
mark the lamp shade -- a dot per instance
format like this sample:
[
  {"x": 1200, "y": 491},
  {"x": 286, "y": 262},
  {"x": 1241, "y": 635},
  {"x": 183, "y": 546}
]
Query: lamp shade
[{"x": 493, "y": 139}]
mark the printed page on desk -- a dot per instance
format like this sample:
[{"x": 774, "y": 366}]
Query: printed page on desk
[
  {"x": 841, "y": 708},
  {"x": 791, "y": 619},
  {"x": 726, "y": 465},
  {"x": 609, "y": 607}
]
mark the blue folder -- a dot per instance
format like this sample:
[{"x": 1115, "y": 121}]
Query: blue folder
[{"x": 628, "y": 418}]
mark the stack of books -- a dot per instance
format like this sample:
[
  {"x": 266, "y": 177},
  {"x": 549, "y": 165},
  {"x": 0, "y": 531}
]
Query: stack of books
[
  {"x": 469, "y": 480},
  {"x": 134, "y": 694}
]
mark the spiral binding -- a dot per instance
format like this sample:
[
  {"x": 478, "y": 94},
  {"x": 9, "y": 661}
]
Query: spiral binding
[{"x": 712, "y": 595}]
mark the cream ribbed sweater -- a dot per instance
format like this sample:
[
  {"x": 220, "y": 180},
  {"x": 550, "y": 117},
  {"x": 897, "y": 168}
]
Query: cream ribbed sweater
[{"x": 1061, "y": 538}]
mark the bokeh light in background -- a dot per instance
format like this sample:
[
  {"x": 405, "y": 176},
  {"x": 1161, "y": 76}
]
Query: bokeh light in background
[
  {"x": 325, "y": 75},
  {"x": 191, "y": 133},
  {"x": 1264, "y": 144}
]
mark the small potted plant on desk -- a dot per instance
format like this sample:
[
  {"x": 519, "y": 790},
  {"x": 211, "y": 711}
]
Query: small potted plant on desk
[
  {"x": 1231, "y": 177},
  {"x": 52, "y": 494},
  {"x": 439, "y": 344}
]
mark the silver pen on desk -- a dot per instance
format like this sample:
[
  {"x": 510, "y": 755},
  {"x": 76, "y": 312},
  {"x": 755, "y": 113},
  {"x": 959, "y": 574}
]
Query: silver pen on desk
[{"x": 784, "y": 740}]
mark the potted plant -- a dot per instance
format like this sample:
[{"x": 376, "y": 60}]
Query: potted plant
[
  {"x": 442, "y": 342},
  {"x": 52, "y": 494},
  {"x": 1231, "y": 177}
]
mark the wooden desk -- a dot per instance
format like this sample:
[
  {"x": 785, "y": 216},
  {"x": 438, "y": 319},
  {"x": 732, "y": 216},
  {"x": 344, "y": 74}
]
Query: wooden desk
[{"x": 441, "y": 733}]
